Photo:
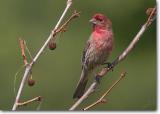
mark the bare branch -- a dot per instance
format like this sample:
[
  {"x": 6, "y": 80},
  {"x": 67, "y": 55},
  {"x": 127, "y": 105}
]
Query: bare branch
[
  {"x": 102, "y": 98},
  {"x": 63, "y": 27},
  {"x": 52, "y": 44},
  {"x": 29, "y": 66},
  {"x": 121, "y": 57},
  {"x": 69, "y": 3},
  {"x": 26, "y": 74}
]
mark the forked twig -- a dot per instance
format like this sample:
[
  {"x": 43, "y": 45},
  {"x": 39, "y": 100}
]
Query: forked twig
[
  {"x": 29, "y": 66},
  {"x": 102, "y": 98},
  {"x": 64, "y": 26}
]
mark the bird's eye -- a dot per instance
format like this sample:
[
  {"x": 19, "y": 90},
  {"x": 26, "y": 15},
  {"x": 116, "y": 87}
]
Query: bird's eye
[{"x": 100, "y": 20}]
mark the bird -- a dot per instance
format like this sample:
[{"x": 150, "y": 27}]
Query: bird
[{"x": 97, "y": 49}]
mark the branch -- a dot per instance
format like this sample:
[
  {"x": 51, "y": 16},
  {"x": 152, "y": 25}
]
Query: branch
[
  {"x": 121, "y": 57},
  {"x": 101, "y": 99},
  {"x": 52, "y": 44},
  {"x": 39, "y": 98},
  {"x": 63, "y": 27},
  {"x": 29, "y": 66}
]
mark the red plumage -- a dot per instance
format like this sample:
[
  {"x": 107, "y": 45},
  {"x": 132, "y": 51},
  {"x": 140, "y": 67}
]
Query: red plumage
[{"x": 98, "y": 48}]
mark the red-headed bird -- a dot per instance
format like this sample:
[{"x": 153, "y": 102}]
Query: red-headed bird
[{"x": 97, "y": 50}]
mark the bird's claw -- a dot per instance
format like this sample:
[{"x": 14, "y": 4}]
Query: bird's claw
[
  {"x": 109, "y": 65},
  {"x": 97, "y": 78}
]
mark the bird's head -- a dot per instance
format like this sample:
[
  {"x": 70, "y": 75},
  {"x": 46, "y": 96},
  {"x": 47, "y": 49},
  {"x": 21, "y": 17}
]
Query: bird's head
[{"x": 101, "y": 20}]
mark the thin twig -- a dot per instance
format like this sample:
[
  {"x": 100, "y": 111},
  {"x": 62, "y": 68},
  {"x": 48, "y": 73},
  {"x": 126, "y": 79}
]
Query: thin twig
[
  {"x": 22, "y": 46},
  {"x": 69, "y": 3},
  {"x": 39, "y": 98},
  {"x": 74, "y": 15},
  {"x": 63, "y": 27},
  {"x": 29, "y": 66},
  {"x": 101, "y": 99},
  {"x": 28, "y": 50},
  {"x": 152, "y": 14},
  {"x": 121, "y": 57}
]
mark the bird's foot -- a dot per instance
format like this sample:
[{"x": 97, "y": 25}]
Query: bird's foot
[
  {"x": 109, "y": 65},
  {"x": 97, "y": 78}
]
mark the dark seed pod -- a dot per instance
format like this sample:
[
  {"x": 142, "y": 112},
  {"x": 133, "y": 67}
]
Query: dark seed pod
[
  {"x": 52, "y": 45},
  {"x": 31, "y": 82}
]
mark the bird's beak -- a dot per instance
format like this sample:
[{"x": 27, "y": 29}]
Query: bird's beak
[{"x": 93, "y": 21}]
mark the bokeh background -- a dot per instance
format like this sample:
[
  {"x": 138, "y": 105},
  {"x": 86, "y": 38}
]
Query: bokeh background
[{"x": 57, "y": 72}]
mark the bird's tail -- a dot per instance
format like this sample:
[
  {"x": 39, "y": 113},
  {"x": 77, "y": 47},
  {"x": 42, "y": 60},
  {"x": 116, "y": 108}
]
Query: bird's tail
[{"x": 81, "y": 84}]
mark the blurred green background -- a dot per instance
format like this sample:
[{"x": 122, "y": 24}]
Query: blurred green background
[{"x": 57, "y": 72}]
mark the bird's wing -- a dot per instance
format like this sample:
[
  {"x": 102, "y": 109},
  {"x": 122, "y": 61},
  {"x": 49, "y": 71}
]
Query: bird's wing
[
  {"x": 83, "y": 78},
  {"x": 83, "y": 59}
]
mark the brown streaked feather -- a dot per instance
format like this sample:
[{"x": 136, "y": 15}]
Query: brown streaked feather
[{"x": 81, "y": 84}]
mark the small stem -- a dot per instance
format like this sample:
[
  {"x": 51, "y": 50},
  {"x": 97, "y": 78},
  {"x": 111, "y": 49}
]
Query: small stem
[
  {"x": 92, "y": 105},
  {"x": 106, "y": 93},
  {"x": 21, "y": 42},
  {"x": 151, "y": 16},
  {"x": 30, "y": 101}
]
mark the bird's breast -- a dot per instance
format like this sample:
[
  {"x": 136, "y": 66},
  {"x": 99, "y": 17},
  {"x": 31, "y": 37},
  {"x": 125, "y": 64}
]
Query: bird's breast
[{"x": 103, "y": 40}]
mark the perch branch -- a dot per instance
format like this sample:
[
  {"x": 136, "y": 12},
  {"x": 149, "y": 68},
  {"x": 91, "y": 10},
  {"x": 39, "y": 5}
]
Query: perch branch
[
  {"x": 39, "y": 98},
  {"x": 121, "y": 57},
  {"x": 29, "y": 66},
  {"x": 101, "y": 99}
]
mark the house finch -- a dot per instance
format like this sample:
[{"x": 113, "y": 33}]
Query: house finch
[{"x": 98, "y": 48}]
